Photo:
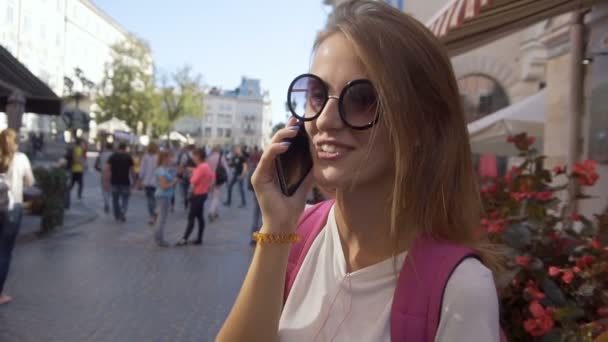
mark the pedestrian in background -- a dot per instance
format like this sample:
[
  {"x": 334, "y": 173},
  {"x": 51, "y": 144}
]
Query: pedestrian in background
[
  {"x": 185, "y": 163},
  {"x": 217, "y": 162},
  {"x": 201, "y": 180},
  {"x": 239, "y": 165},
  {"x": 104, "y": 175},
  {"x": 253, "y": 160},
  {"x": 147, "y": 179},
  {"x": 120, "y": 166},
  {"x": 15, "y": 175},
  {"x": 78, "y": 166},
  {"x": 166, "y": 180}
]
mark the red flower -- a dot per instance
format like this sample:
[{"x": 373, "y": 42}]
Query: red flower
[
  {"x": 520, "y": 196},
  {"x": 585, "y": 261},
  {"x": 522, "y": 260},
  {"x": 511, "y": 174},
  {"x": 497, "y": 226},
  {"x": 575, "y": 217},
  {"x": 567, "y": 276},
  {"x": 531, "y": 140},
  {"x": 510, "y": 139},
  {"x": 576, "y": 269},
  {"x": 585, "y": 172},
  {"x": 544, "y": 196},
  {"x": 596, "y": 244},
  {"x": 494, "y": 215},
  {"x": 533, "y": 290},
  {"x": 603, "y": 311},
  {"x": 554, "y": 271},
  {"x": 559, "y": 170},
  {"x": 541, "y": 323}
]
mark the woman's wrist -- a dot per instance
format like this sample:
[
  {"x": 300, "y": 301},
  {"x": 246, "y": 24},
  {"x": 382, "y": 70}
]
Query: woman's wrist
[{"x": 278, "y": 228}]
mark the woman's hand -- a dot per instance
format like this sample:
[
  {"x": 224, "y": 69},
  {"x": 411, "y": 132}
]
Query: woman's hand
[{"x": 280, "y": 213}]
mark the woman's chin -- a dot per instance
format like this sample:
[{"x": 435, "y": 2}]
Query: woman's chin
[{"x": 330, "y": 178}]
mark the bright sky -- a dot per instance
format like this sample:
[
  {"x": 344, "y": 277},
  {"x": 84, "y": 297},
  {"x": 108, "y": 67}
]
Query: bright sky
[{"x": 224, "y": 40}]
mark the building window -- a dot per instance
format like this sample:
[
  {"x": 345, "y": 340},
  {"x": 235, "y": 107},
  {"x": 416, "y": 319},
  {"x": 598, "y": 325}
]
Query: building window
[
  {"x": 207, "y": 131},
  {"x": 220, "y": 132},
  {"x": 10, "y": 12},
  {"x": 481, "y": 96},
  {"x": 228, "y": 132}
]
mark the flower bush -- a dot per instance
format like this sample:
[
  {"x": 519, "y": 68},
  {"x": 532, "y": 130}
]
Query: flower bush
[{"x": 555, "y": 283}]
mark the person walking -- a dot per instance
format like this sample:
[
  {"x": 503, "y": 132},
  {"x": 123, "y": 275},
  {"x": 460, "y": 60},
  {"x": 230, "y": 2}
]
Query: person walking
[
  {"x": 397, "y": 255},
  {"x": 166, "y": 180},
  {"x": 147, "y": 179},
  {"x": 185, "y": 163},
  {"x": 15, "y": 175},
  {"x": 104, "y": 173},
  {"x": 79, "y": 164},
  {"x": 201, "y": 180},
  {"x": 120, "y": 167},
  {"x": 252, "y": 162},
  {"x": 217, "y": 162},
  {"x": 239, "y": 164}
]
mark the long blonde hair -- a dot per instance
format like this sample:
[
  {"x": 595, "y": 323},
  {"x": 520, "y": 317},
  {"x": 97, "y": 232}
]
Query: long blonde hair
[
  {"x": 435, "y": 190},
  {"x": 8, "y": 148}
]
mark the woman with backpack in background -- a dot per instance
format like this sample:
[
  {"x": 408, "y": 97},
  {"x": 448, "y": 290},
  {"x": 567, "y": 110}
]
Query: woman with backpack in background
[
  {"x": 217, "y": 162},
  {"x": 147, "y": 179},
  {"x": 397, "y": 256},
  {"x": 15, "y": 175}
]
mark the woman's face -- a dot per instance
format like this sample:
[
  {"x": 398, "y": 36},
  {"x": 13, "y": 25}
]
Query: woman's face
[{"x": 354, "y": 155}]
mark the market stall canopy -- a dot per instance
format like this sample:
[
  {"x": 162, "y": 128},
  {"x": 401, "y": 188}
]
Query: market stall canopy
[
  {"x": 466, "y": 24},
  {"x": 489, "y": 134},
  {"x": 15, "y": 76},
  {"x": 176, "y": 136},
  {"x": 113, "y": 125}
]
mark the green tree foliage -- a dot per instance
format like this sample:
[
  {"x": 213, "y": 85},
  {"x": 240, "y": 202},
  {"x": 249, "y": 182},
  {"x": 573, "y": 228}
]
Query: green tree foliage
[
  {"x": 180, "y": 94},
  {"x": 127, "y": 89}
]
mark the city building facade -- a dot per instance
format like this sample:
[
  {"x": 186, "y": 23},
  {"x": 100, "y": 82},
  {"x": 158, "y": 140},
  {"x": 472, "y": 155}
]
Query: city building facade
[
  {"x": 54, "y": 38},
  {"x": 242, "y": 116}
]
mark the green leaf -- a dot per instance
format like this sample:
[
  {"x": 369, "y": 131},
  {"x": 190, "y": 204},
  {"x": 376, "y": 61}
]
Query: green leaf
[
  {"x": 555, "y": 295},
  {"x": 517, "y": 236}
]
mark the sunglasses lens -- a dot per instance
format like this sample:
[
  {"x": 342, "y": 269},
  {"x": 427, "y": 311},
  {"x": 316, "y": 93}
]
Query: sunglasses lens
[
  {"x": 307, "y": 96},
  {"x": 360, "y": 104}
]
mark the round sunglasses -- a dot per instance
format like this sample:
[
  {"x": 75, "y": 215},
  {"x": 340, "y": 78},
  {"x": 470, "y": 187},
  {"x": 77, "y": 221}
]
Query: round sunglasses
[{"x": 357, "y": 104}]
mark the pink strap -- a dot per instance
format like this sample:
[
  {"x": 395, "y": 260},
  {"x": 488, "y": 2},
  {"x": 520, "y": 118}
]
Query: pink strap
[{"x": 311, "y": 223}]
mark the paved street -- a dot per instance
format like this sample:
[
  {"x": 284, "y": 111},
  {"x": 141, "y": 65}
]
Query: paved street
[{"x": 106, "y": 281}]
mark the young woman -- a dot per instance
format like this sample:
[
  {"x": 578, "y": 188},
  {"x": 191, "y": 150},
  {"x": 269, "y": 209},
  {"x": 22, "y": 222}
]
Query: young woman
[
  {"x": 16, "y": 173},
  {"x": 166, "y": 180},
  {"x": 201, "y": 182},
  {"x": 147, "y": 179},
  {"x": 215, "y": 159},
  {"x": 388, "y": 140}
]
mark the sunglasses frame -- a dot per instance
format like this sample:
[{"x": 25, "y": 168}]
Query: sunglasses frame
[{"x": 340, "y": 99}]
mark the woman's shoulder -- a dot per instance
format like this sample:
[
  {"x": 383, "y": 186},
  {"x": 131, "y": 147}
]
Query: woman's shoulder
[
  {"x": 471, "y": 280},
  {"x": 21, "y": 158}
]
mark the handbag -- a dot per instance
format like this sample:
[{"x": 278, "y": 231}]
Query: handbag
[{"x": 221, "y": 175}]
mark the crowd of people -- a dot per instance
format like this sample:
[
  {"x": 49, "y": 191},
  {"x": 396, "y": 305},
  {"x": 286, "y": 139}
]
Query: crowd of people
[{"x": 186, "y": 174}]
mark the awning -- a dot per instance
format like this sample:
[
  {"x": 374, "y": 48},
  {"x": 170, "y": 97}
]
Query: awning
[
  {"x": 465, "y": 24},
  {"x": 14, "y": 75},
  {"x": 489, "y": 134}
]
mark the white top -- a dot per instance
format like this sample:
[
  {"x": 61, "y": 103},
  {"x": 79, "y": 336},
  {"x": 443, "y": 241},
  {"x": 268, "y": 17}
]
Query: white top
[
  {"x": 328, "y": 304},
  {"x": 147, "y": 169},
  {"x": 19, "y": 176}
]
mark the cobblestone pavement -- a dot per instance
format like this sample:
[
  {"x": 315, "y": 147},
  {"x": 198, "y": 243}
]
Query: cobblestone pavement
[{"x": 107, "y": 281}]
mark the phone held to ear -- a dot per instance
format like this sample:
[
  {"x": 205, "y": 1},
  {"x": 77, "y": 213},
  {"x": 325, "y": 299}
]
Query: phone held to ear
[{"x": 294, "y": 164}]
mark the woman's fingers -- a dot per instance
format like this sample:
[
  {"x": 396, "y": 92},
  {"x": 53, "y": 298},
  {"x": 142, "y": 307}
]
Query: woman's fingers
[{"x": 264, "y": 173}]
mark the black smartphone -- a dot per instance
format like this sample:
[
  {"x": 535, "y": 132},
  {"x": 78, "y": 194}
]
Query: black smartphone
[{"x": 294, "y": 164}]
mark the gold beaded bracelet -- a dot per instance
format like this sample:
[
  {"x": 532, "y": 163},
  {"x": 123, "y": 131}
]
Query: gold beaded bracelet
[{"x": 272, "y": 238}]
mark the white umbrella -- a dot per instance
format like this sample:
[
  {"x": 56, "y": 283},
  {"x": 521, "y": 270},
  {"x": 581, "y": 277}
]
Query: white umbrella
[
  {"x": 488, "y": 135},
  {"x": 175, "y": 136},
  {"x": 114, "y": 125}
]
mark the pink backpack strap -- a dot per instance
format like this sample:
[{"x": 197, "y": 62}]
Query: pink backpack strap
[
  {"x": 416, "y": 308},
  {"x": 311, "y": 223}
]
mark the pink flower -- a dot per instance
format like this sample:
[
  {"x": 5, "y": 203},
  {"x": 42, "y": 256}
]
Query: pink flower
[
  {"x": 522, "y": 260},
  {"x": 559, "y": 170},
  {"x": 576, "y": 269},
  {"x": 567, "y": 277},
  {"x": 511, "y": 174},
  {"x": 575, "y": 217},
  {"x": 554, "y": 271},
  {"x": 585, "y": 261},
  {"x": 596, "y": 244},
  {"x": 603, "y": 311},
  {"x": 520, "y": 196},
  {"x": 544, "y": 196},
  {"x": 497, "y": 226},
  {"x": 531, "y": 140},
  {"x": 533, "y": 290},
  {"x": 541, "y": 321},
  {"x": 585, "y": 172}
]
